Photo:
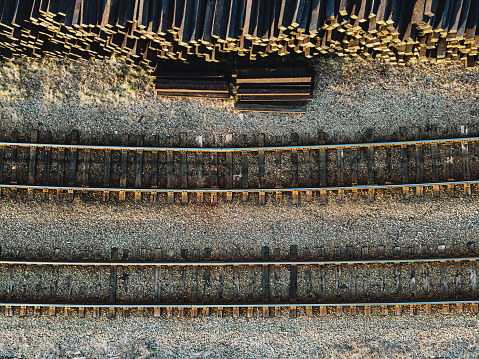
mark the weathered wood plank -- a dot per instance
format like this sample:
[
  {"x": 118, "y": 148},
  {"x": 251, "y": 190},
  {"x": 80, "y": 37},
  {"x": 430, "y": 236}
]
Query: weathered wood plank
[
  {"x": 139, "y": 168},
  {"x": 123, "y": 166},
  {"x": 293, "y": 280}
]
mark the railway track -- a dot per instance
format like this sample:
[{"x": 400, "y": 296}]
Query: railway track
[
  {"x": 308, "y": 283},
  {"x": 199, "y": 174}
]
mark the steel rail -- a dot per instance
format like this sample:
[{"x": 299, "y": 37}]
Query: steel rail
[
  {"x": 239, "y": 149},
  {"x": 241, "y": 263},
  {"x": 235, "y": 305},
  {"x": 236, "y": 190}
]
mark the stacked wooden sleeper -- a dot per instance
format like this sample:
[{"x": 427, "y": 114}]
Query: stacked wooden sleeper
[
  {"x": 284, "y": 89},
  {"x": 146, "y": 31},
  {"x": 211, "y": 85}
]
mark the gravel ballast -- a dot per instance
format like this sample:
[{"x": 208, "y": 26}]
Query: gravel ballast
[{"x": 100, "y": 98}]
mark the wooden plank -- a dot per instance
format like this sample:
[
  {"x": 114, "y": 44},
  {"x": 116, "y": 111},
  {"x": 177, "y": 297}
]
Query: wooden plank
[
  {"x": 86, "y": 170},
  {"x": 113, "y": 276},
  {"x": 32, "y": 163},
  {"x": 182, "y": 282},
  {"x": 419, "y": 165},
  {"x": 170, "y": 180},
  {"x": 207, "y": 282},
  {"x": 293, "y": 280},
  {"x": 260, "y": 107},
  {"x": 244, "y": 169},
  {"x": 397, "y": 273},
  {"x": 139, "y": 168},
  {"x": 2, "y": 156},
  {"x": 251, "y": 282},
  {"x": 352, "y": 278},
  {"x": 211, "y": 95},
  {"x": 323, "y": 168},
  {"x": 450, "y": 168},
  {"x": 221, "y": 284},
  {"x": 123, "y": 166},
  {"x": 283, "y": 91},
  {"x": 404, "y": 164},
  {"x": 191, "y": 89},
  {"x": 366, "y": 272},
  {"x": 340, "y": 167},
  {"x": 157, "y": 285},
  {"x": 214, "y": 169},
  {"x": 73, "y": 165},
  {"x": 229, "y": 167},
  {"x": 236, "y": 283},
  {"x": 261, "y": 167},
  {"x": 294, "y": 161},
  {"x": 458, "y": 292},
  {"x": 170, "y": 287},
  {"x": 307, "y": 167},
  {"x": 107, "y": 171},
  {"x": 370, "y": 155},
  {"x": 277, "y": 282},
  {"x": 200, "y": 181},
  {"x": 14, "y": 166},
  {"x": 183, "y": 169},
  {"x": 252, "y": 72},
  {"x": 275, "y": 80},
  {"x": 154, "y": 168},
  {"x": 473, "y": 278},
  {"x": 265, "y": 274}
]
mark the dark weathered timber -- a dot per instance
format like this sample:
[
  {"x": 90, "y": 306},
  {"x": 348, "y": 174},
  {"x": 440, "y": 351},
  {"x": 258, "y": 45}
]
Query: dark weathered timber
[
  {"x": 86, "y": 170},
  {"x": 236, "y": 283},
  {"x": 265, "y": 274},
  {"x": 72, "y": 171},
  {"x": 419, "y": 165},
  {"x": 194, "y": 285},
  {"x": 229, "y": 166},
  {"x": 307, "y": 274},
  {"x": 221, "y": 279},
  {"x": 106, "y": 173},
  {"x": 182, "y": 281},
  {"x": 473, "y": 279},
  {"x": 244, "y": 170},
  {"x": 277, "y": 276},
  {"x": 183, "y": 162},
  {"x": 207, "y": 281},
  {"x": 387, "y": 168},
  {"x": 261, "y": 159},
  {"x": 33, "y": 158},
  {"x": 154, "y": 168},
  {"x": 262, "y": 107},
  {"x": 170, "y": 180},
  {"x": 157, "y": 287},
  {"x": 32, "y": 163},
  {"x": 250, "y": 289},
  {"x": 2, "y": 156},
  {"x": 370, "y": 155},
  {"x": 293, "y": 279},
  {"x": 123, "y": 166},
  {"x": 14, "y": 168},
  {"x": 294, "y": 160},
  {"x": 200, "y": 180},
  {"x": 54, "y": 283},
  {"x": 139, "y": 167},
  {"x": 113, "y": 276},
  {"x": 274, "y": 97}
]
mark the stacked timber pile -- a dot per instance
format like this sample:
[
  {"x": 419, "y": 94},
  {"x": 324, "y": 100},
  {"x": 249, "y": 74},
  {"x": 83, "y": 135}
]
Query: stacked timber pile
[
  {"x": 191, "y": 84},
  {"x": 144, "y": 31},
  {"x": 284, "y": 89}
]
